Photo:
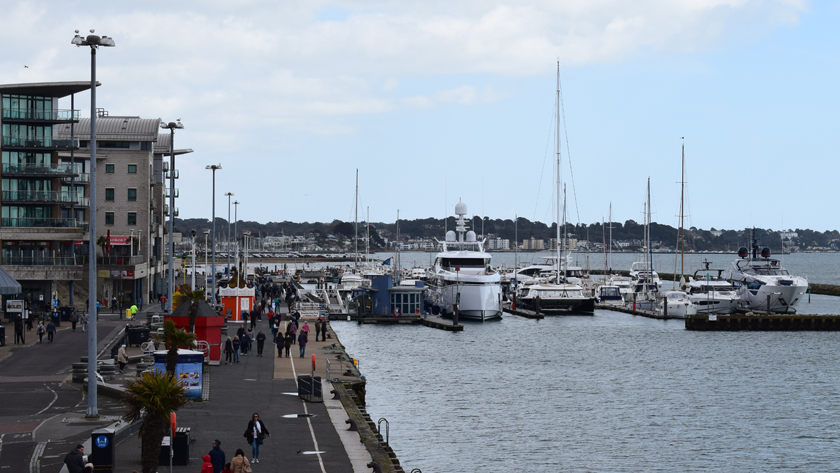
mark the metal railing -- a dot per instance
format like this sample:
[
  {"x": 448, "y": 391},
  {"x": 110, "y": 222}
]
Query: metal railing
[
  {"x": 22, "y": 141},
  {"x": 41, "y": 196},
  {"x": 66, "y": 169},
  {"x": 33, "y": 114},
  {"x": 42, "y": 222},
  {"x": 335, "y": 368},
  {"x": 120, "y": 260},
  {"x": 83, "y": 178},
  {"x": 169, "y": 192},
  {"x": 44, "y": 260}
]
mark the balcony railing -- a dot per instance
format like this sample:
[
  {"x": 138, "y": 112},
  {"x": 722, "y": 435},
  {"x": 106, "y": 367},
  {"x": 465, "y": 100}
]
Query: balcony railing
[
  {"x": 120, "y": 260},
  {"x": 47, "y": 169},
  {"x": 42, "y": 196},
  {"x": 18, "y": 141},
  {"x": 42, "y": 222},
  {"x": 31, "y": 114},
  {"x": 169, "y": 193},
  {"x": 169, "y": 174},
  {"x": 78, "y": 179},
  {"x": 44, "y": 260}
]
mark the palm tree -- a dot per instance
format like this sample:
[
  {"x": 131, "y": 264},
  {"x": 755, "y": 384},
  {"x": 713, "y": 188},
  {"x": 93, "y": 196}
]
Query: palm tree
[
  {"x": 175, "y": 338},
  {"x": 103, "y": 243},
  {"x": 151, "y": 398},
  {"x": 186, "y": 295}
]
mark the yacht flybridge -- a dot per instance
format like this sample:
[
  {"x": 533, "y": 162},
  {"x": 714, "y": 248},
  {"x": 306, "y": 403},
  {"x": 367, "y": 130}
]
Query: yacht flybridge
[{"x": 462, "y": 275}]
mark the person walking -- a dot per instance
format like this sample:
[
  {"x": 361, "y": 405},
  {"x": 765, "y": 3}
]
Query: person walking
[
  {"x": 323, "y": 330},
  {"x": 228, "y": 351},
  {"x": 237, "y": 344},
  {"x": 305, "y": 328},
  {"x": 240, "y": 464},
  {"x": 317, "y": 330},
  {"x": 217, "y": 456},
  {"x": 287, "y": 342},
  {"x": 114, "y": 304},
  {"x": 41, "y": 331},
  {"x": 19, "y": 330},
  {"x": 74, "y": 461},
  {"x": 122, "y": 358},
  {"x": 74, "y": 319},
  {"x": 256, "y": 433},
  {"x": 260, "y": 343},
  {"x": 280, "y": 347},
  {"x": 206, "y": 467},
  {"x": 50, "y": 331},
  {"x": 245, "y": 344},
  {"x": 275, "y": 326},
  {"x": 292, "y": 328},
  {"x": 302, "y": 339},
  {"x": 162, "y": 302},
  {"x": 133, "y": 310}
]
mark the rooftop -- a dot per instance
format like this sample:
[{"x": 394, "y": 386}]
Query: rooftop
[{"x": 46, "y": 89}]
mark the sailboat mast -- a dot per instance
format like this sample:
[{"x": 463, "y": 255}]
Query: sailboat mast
[
  {"x": 682, "y": 215},
  {"x": 557, "y": 143},
  {"x": 609, "y": 255},
  {"x": 367, "y": 240},
  {"x": 356, "y": 226},
  {"x": 649, "y": 242}
]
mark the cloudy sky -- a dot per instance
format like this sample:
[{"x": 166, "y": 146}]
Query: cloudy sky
[{"x": 435, "y": 101}]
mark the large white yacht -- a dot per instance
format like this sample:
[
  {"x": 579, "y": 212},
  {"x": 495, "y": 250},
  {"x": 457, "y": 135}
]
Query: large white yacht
[
  {"x": 763, "y": 283},
  {"x": 462, "y": 274},
  {"x": 711, "y": 293}
]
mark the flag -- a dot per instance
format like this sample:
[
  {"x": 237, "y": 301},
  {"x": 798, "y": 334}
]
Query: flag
[{"x": 387, "y": 262}]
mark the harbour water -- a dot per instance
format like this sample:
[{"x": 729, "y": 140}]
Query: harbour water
[{"x": 613, "y": 392}]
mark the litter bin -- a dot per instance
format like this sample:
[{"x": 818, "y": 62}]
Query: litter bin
[
  {"x": 309, "y": 390},
  {"x": 180, "y": 448},
  {"x": 102, "y": 449},
  {"x": 56, "y": 319},
  {"x": 137, "y": 334}
]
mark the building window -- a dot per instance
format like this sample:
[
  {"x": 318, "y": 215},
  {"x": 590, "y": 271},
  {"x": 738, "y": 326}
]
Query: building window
[
  {"x": 132, "y": 195},
  {"x": 132, "y": 169},
  {"x": 132, "y": 218},
  {"x": 109, "y": 218},
  {"x": 109, "y": 194},
  {"x": 109, "y": 169}
]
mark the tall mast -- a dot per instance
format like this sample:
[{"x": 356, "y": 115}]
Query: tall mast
[
  {"x": 682, "y": 214},
  {"x": 650, "y": 243},
  {"x": 367, "y": 240},
  {"x": 356, "y": 238},
  {"x": 609, "y": 255},
  {"x": 557, "y": 143}
]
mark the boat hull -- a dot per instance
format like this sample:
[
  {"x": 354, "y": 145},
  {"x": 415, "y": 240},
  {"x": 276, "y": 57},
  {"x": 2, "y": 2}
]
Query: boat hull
[{"x": 475, "y": 301}]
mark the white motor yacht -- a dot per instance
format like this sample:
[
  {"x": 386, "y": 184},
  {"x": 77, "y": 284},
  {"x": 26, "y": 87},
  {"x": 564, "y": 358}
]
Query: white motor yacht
[
  {"x": 542, "y": 297},
  {"x": 711, "y": 293},
  {"x": 678, "y": 305},
  {"x": 462, "y": 274},
  {"x": 763, "y": 283}
]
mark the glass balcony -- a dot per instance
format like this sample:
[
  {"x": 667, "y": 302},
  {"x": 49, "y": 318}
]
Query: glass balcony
[
  {"x": 19, "y": 141},
  {"x": 83, "y": 202},
  {"x": 48, "y": 169},
  {"x": 120, "y": 260},
  {"x": 43, "y": 260},
  {"x": 42, "y": 222},
  {"x": 78, "y": 179},
  {"x": 169, "y": 193},
  {"x": 176, "y": 212},
  {"x": 169, "y": 174},
  {"x": 41, "y": 196},
  {"x": 47, "y": 115}
]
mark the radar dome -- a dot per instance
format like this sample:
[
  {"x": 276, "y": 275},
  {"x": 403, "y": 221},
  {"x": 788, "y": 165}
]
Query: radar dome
[
  {"x": 742, "y": 252},
  {"x": 450, "y": 236},
  {"x": 765, "y": 252},
  {"x": 460, "y": 208},
  {"x": 470, "y": 235}
]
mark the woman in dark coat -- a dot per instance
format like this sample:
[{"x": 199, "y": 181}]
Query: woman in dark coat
[
  {"x": 255, "y": 433},
  {"x": 228, "y": 351}
]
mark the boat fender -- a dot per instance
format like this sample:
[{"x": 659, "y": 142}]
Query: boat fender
[{"x": 417, "y": 311}]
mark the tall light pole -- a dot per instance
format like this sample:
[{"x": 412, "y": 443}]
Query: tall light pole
[
  {"x": 171, "y": 126},
  {"x": 229, "y": 195},
  {"x": 192, "y": 232},
  {"x": 206, "y": 232},
  {"x": 235, "y": 231},
  {"x": 94, "y": 42},
  {"x": 214, "y": 167}
]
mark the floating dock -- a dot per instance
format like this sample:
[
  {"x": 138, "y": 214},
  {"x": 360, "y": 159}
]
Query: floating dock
[
  {"x": 762, "y": 322},
  {"x": 528, "y": 314},
  {"x": 644, "y": 313},
  {"x": 432, "y": 321}
]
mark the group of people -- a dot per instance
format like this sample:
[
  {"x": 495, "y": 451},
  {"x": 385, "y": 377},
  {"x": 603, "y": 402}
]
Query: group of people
[{"x": 255, "y": 433}]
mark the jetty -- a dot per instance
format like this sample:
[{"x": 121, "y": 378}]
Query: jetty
[
  {"x": 432, "y": 321},
  {"x": 762, "y": 322}
]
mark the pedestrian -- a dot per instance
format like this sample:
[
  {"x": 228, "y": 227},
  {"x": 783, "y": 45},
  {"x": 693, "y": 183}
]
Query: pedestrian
[
  {"x": 236, "y": 346},
  {"x": 256, "y": 433},
  {"x": 250, "y": 332},
  {"x": 302, "y": 339},
  {"x": 88, "y": 468},
  {"x": 162, "y": 302},
  {"x": 114, "y": 304},
  {"x": 305, "y": 327},
  {"x": 84, "y": 320},
  {"x": 323, "y": 329},
  {"x": 244, "y": 344},
  {"x": 227, "y": 468},
  {"x": 260, "y": 343},
  {"x": 206, "y": 467},
  {"x": 98, "y": 307},
  {"x": 287, "y": 343},
  {"x": 133, "y": 310},
  {"x": 317, "y": 331},
  {"x": 50, "y": 331},
  {"x": 253, "y": 316},
  {"x": 240, "y": 464},
  {"x": 217, "y": 456},
  {"x": 19, "y": 330},
  {"x": 280, "y": 348},
  {"x": 122, "y": 358},
  {"x": 228, "y": 351},
  {"x": 74, "y": 319},
  {"x": 29, "y": 321},
  {"x": 275, "y": 326},
  {"x": 41, "y": 331},
  {"x": 74, "y": 461},
  {"x": 292, "y": 328}
]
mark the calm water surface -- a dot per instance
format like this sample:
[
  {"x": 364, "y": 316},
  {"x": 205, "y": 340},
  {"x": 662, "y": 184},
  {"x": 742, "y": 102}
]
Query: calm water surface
[{"x": 611, "y": 392}]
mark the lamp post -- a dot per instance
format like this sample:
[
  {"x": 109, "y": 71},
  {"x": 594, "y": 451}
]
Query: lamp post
[
  {"x": 229, "y": 195},
  {"x": 236, "y": 232},
  {"x": 206, "y": 232},
  {"x": 171, "y": 126},
  {"x": 131, "y": 244},
  {"x": 214, "y": 167},
  {"x": 192, "y": 232},
  {"x": 94, "y": 42}
]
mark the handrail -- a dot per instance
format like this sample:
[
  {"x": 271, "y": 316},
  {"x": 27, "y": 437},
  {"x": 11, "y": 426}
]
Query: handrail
[
  {"x": 41, "y": 196},
  {"x": 379, "y": 431},
  {"x": 39, "y": 141},
  {"x": 42, "y": 222},
  {"x": 344, "y": 366},
  {"x": 44, "y": 260},
  {"x": 45, "y": 168},
  {"x": 34, "y": 114}
]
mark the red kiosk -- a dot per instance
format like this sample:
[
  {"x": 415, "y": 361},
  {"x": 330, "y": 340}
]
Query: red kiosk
[{"x": 208, "y": 328}]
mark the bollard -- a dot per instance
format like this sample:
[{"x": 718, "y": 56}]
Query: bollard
[
  {"x": 768, "y": 304},
  {"x": 455, "y": 311},
  {"x": 537, "y": 304},
  {"x": 665, "y": 307}
]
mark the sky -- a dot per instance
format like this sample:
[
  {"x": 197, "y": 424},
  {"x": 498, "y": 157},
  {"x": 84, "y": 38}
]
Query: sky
[{"x": 439, "y": 101}]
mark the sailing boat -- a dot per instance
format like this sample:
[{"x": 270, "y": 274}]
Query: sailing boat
[
  {"x": 557, "y": 296},
  {"x": 645, "y": 280}
]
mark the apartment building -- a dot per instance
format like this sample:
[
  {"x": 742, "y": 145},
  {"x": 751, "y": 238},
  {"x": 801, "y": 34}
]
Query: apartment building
[{"x": 45, "y": 199}]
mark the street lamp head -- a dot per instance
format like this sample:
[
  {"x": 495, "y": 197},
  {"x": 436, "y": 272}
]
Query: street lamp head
[
  {"x": 207, "y": 232},
  {"x": 172, "y": 125},
  {"x": 213, "y": 166},
  {"x": 92, "y": 40},
  {"x": 229, "y": 194},
  {"x": 192, "y": 232}
]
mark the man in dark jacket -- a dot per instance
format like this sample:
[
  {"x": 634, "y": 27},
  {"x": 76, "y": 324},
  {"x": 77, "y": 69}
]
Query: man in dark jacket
[
  {"x": 74, "y": 461},
  {"x": 217, "y": 457}
]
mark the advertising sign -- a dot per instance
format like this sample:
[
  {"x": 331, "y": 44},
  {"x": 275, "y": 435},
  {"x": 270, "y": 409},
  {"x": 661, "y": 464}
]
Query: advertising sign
[
  {"x": 14, "y": 306},
  {"x": 119, "y": 240},
  {"x": 188, "y": 370}
]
